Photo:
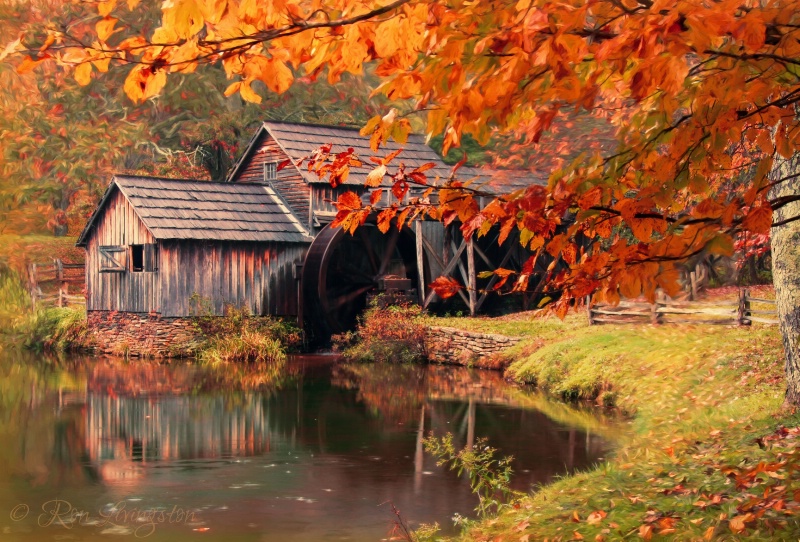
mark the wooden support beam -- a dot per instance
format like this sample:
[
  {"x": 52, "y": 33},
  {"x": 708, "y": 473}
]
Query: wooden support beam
[
  {"x": 420, "y": 261},
  {"x": 492, "y": 281},
  {"x": 485, "y": 258},
  {"x": 464, "y": 272},
  {"x": 446, "y": 272},
  {"x": 472, "y": 278}
]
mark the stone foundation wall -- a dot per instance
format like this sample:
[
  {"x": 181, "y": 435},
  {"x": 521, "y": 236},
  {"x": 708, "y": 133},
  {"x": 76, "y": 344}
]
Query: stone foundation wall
[
  {"x": 455, "y": 346},
  {"x": 150, "y": 335},
  {"x": 141, "y": 335}
]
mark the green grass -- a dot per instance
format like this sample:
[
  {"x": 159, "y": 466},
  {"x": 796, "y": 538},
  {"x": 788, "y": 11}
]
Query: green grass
[
  {"x": 55, "y": 329},
  {"x": 700, "y": 398}
]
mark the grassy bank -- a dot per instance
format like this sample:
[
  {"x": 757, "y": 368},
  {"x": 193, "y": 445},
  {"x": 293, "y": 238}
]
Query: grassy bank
[
  {"x": 706, "y": 458},
  {"x": 51, "y": 328}
]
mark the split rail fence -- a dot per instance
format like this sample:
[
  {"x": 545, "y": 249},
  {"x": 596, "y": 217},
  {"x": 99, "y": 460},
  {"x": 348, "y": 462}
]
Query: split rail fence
[
  {"x": 49, "y": 283},
  {"x": 747, "y": 310}
]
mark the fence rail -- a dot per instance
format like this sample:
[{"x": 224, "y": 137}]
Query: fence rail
[
  {"x": 49, "y": 283},
  {"x": 669, "y": 311}
]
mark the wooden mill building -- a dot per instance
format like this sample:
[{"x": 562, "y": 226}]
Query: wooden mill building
[{"x": 168, "y": 248}]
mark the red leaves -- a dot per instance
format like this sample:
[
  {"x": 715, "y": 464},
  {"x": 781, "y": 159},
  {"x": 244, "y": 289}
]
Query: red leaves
[
  {"x": 445, "y": 287},
  {"x": 351, "y": 214}
]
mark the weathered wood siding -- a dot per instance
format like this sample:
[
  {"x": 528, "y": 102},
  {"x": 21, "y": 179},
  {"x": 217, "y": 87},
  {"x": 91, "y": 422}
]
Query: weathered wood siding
[
  {"x": 124, "y": 290},
  {"x": 259, "y": 276},
  {"x": 291, "y": 185}
]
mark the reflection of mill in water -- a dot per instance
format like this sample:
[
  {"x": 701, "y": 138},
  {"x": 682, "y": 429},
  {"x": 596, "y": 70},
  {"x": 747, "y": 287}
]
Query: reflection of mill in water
[{"x": 125, "y": 432}]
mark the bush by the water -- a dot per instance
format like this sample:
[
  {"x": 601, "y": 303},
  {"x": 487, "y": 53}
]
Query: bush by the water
[
  {"x": 385, "y": 332},
  {"x": 58, "y": 329},
  {"x": 239, "y": 337},
  {"x": 50, "y": 328}
]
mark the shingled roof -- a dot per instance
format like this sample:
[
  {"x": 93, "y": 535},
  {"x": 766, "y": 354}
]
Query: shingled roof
[
  {"x": 299, "y": 141},
  {"x": 185, "y": 209}
]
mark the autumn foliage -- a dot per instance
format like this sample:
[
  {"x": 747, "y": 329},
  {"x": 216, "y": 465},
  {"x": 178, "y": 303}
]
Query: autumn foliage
[{"x": 700, "y": 98}]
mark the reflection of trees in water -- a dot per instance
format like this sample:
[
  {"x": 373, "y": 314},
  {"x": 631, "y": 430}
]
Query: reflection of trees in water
[
  {"x": 392, "y": 391},
  {"x": 125, "y": 418},
  {"x": 471, "y": 404}
]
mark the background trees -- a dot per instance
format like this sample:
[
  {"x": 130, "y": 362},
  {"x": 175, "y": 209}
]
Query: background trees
[{"x": 700, "y": 97}]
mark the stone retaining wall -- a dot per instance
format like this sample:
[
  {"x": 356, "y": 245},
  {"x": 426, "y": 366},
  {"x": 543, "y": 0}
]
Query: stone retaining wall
[
  {"x": 455, "y": 346},
  {"x": 151, "y": 335},
  {"x": 141, "y": 335}
]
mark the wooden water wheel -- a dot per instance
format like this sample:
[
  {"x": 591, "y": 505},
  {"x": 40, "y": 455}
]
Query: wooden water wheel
[{"x": 341, "y": 270}]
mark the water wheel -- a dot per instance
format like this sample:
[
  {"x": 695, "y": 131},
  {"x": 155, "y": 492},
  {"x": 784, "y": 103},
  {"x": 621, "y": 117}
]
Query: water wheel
[{"x": 342, "y": 270}]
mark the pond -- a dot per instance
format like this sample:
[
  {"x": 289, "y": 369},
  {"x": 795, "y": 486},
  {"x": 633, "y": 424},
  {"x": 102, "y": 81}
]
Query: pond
[{"x": 104, "y": 449}]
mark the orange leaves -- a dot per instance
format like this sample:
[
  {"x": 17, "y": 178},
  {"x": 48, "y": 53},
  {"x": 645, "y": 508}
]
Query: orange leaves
[
  {"x": 758, "y": 220},
  {"x": 445, "y": 287},
  {"x": 28, "y": 64},
  {"x": 350, "y": 213}
]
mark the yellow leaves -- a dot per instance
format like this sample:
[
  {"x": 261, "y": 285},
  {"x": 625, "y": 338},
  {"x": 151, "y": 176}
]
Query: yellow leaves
[
  {"x": 381, "y": 128},
  {"x": 83, "y": 74},
  {"x": 375, "y": 177},
  {"x": 247, "y": 93},
  {"x": 142, "y": 83},
  {"x": 105, "y": 7},
  {"x": 105, "y": 28},
  {"x": 277, "y": 76},
  {"x": 720, "y": 244},
  {"x": 390, "y": 36},
  {"x": 183, "y": 18}
]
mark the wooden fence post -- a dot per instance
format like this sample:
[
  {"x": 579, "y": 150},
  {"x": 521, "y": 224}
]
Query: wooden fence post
[
  {"x": 693, "y": 281},
  {"x": 32, "y": 285},
  {"x": 471, "y": 279},
  {"x": 589, "y": 309},
  {"x": 62, "y": 286},
  {"x": 655, "y": 317},
  {"x": 744, "y": 307}
]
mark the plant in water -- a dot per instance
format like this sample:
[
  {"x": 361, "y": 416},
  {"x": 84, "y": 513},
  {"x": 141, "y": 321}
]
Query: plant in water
[
  {"x": 489, "y": 477},
  {"x": 385, "y": 332}
]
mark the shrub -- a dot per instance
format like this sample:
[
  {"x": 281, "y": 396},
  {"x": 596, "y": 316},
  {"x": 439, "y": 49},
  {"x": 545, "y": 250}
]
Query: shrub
[
  {"x": 239, "y": 337},
  {"x": 57, "y": 329},
  {"x": 385, "y": 332},
  {"x": 46, "y": 328}
]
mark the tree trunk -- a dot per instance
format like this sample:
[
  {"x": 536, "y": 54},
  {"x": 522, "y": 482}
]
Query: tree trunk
[{"x": 785, "y": 243}]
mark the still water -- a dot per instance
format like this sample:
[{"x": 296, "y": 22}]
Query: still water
[{"x": 103, "y": 449}]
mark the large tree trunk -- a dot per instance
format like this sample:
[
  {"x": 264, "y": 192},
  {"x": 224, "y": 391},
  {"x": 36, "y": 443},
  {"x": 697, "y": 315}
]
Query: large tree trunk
[{"x": 786, "y": 272}]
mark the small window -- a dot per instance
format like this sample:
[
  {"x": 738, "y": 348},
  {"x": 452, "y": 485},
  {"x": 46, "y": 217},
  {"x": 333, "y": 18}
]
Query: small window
[
  {"x": 270, "y": 171},
  {"x": 144, "y": 258},
  {"x": 113, "y": 259},
  {"x": 137, "y": 258}
]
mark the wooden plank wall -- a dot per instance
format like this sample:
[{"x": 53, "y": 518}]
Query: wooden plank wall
[
  {"x": 290, "y": 183},
  {"x": 124, "y": 291},
  {"x": 259, "y": 276}
]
